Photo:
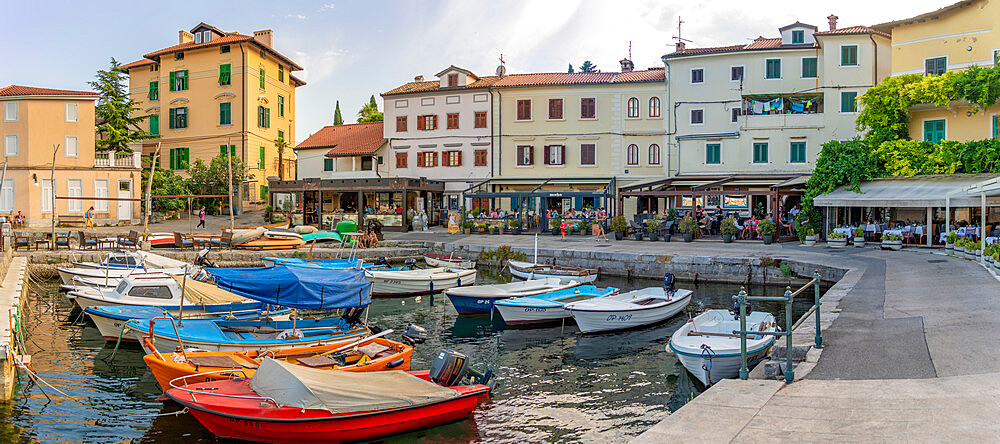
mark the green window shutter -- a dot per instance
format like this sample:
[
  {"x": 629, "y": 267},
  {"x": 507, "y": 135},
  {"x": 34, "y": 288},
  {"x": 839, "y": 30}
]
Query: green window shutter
[
  {"x": 996, "y": 121},
  {"x": 225, "y": 74},
  {"x": 281, "y": 135},
  {"x": 154, "y": 93},
  {"x": 173, "y": 80},
  {"x": 263, "y": 80},
  {"x": 760, "y": 152},
  {"x": 222, "y": 150},
  {"x": 798, "y": 36},
  {"x": 281, "y": 106},
  {"x": 172, "y": 153},
  {"x": 934, "y": 131},
  {"x": 154, "y": 124},
  {"x": 281, "y": 73},
  {"x": 798, "y": 152},
  {"x": 267, "y": 117},
  {"x": 260, "y": 163},
  {"x": 809, "y": 67},
  {"x": 848, "y": 55},
  {"x": 848, "y": 101},
  {"x": 225, "y": 113},
  {"x": 184, "y": 81},
  {"x": 184, "y": 161},
  {"x": 327, "y": 164},
  {"x": 772, "y": 68},
  {"x": 713, "y": 153},
  {"x": 170, "y": 119}
]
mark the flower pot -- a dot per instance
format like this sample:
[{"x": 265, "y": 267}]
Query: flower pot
[
  {"x": 688, "y": 237},
  {"x": 727, "y": 238},
  {"x": 480, "y": 230},
  {"x": 842, "y": 242},
  {"x": 619, "y": 235},
  {"x": 515, "y": 231},
  {"x": 811, "y": 240},
  {"x": 654, "y": 237},
  {"x": 768, "y": 238},
  {"x": 892, "y": 244},
  {"x": 859, "y": 242},
  {"x": 637, "y": 235},
  {"x": 555, "y": 232},
  {"x": 996, "y": 266},
  {"x": 949, "y": 248},
  {"x": 666, "y": 237}
]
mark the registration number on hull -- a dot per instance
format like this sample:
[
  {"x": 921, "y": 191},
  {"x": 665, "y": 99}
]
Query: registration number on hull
[
  {"x": 534, "y": 310},
  {"x": 619, "y": 317},
  {"x": 248, "y": 423}
]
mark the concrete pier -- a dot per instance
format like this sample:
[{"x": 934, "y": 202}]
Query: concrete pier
[{"x": 12, "y": 291}]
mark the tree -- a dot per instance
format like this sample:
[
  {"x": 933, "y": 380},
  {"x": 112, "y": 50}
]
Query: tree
[
  {"x": 281, "y": 144},
  {"x": 337, "y": 119},
  {"x": 211, "y": 179},
  {"x": 118, "y": 127},
  {"x": 370, "y": 112},
  {"x": 587, "y": 66},
  {"x": 570, "y": 68},
  {"x": 165, "y": 183}
]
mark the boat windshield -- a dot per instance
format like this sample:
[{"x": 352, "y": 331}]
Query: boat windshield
[{"x": 120, "y": 289}]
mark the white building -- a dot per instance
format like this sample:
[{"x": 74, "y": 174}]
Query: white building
[
  {"x": 441, "y": 130},
  {"x": 747, "y": 121},
  {"x": 350, "y": 151}
]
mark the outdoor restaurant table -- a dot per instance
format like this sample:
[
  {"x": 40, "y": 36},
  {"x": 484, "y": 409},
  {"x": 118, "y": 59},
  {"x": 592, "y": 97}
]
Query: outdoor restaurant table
[
  {"x": 846, "y": 231},
  {"x": 898, "y": 232}
]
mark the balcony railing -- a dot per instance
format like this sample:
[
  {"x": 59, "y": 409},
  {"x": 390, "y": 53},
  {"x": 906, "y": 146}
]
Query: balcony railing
[{"x": 111, "y": 159}]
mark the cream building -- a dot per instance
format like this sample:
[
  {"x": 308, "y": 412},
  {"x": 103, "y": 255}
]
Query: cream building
[
  {"x": 747, "y": 121},
  {"x": 36, "y": 121}
]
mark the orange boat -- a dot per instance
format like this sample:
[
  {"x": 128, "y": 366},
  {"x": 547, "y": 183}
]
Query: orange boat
[
  {"x": 367, "y": 355},
  {"x": 271, "y": 244}
]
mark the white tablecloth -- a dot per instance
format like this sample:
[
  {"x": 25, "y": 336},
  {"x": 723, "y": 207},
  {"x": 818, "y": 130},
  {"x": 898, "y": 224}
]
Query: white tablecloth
[
  {"x": 894, "y": 231},
  {"x": 846, "y": 231}
]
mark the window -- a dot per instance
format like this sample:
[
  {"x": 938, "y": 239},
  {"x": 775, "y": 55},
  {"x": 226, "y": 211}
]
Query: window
[
  {"x": 996, "y": 56},
  {"x": 452, "y": 120},
  {"x": 633, "y": 108},
  {"x": 179, "y": 80},
  {"x": 934, "y": 131},
  {"x": 281, "y": 106},
  {"x": 179, "y": 158},
  {"x": 154, "y": 68},
  {"x": 225, "y": 74},
  {"x": 101, "y": 190},
  {"x": 588, "y": 154},
  {"x": 935, "y": 66},
  {"x": 524, "y": 110},
  {"x": 736, "y": 113},
  {"x": 654, "y": 107},
  {"x": 736, "y": 73},
  {"x": 632, "y": 155},
  {"x": 224, "y": 49},
  {"x": 10, "y": 111},
  {"x": 225, "y": 113},
  {"x": 427, "y": 122},
  {"x": 452, "y": 80},
  {"x": 154, "y": 90},
  {"x": 328, "y": 163},
  {"x": 698, "y": 75},
  {"x": 232, "y": 150},
  {"x": 481, "y": 157},
  {"x": 849, "y": 55},
  {"x": 400, "y": 124},
  {"x": 72, "y": 147},
  {"x": 697, "y": 116},
  {"x": 7, "y": 195},
  {"x": 809, "y": 67},
  {"x": 772, "y": 69},
  {"x": 260, "y": 158},
  {"x": 72, "y": 112},
  {"x": 74, "y": 188},
  {"x": 401, "y": 160},
  {"x": 996, "y": 125},
  {"x": 46, "y": 195},
  {"x": 760, "y": 152},
  {"x": 154, "y": 124},
  {"x": 798, "y": 152},
  {"x": 179, "y": 56},
  {"x": 555, "y": 154},
  {"x": 263, "y": 192},
  {"x": 427, "y": 159},
  {"x": 281, "y": 73},
  {"x": 588, "y": 108},
  {"x": 848, "y": 101},
  {"x": 10, "y": 145},
  {"x": 798, "y": 36},
  {"x": 157, "y": 292},
  {"x": 281, "y": 134},
  {"x": 713, "y": 153},
  {"x": 451, "y": 158},
  {"x": 654, "y": 154},
  {"x": 555, "y": 109},
  {"x": 480, "y": 119},
  {"x": 263, "y": 78},
  {"x": 178, "y": 117},
  {"x": 263, "y": 117},
  {"x": 525, "y": 155}
]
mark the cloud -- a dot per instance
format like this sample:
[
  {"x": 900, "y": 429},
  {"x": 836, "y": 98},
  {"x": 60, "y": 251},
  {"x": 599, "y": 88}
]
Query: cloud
[
  {"x": 296, "y": 16},
  {"x": 326, "y": 6}
]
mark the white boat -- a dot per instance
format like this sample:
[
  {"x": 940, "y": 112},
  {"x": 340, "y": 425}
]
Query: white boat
[
  {"x": 120, "y": 264},
  {"x": 153, "y": 289},
  {"x": 480, "y": 298},
  {"x": 66, "y": 274},
  {"x": 628, "y": 310},
  {"x": 547, "y": 307},
  {"x": 420, "y": 281},
  {"x": 449, "y": 261},
  {"x": 709, "y": 350},
  {"x": 528, "y": 270}
]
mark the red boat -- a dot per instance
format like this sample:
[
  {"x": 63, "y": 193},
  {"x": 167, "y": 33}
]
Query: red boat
[{"x": 286, "y": 403}]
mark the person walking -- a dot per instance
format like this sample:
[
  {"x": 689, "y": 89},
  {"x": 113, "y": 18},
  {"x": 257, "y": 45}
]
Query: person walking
[
  {"x": 89, "y": 216},
  {"x": 599, "y": 226},
  {"x": 201, "y": 218}
]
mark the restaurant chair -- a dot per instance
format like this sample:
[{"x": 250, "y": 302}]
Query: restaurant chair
[
  {"x": 22, "y": 240},
  {"x": 86, "y": 242},
  {"x": 130, "y": 240},
  {"x": 62, "y": 240},
  {"x": 180, "y": 242}
]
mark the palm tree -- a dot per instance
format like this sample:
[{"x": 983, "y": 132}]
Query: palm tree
[{"x": 280, "y": 144}]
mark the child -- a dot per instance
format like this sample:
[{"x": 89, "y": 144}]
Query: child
[
  {"x": 562, "y": 229},
  {"x": 89, "y": 216}
]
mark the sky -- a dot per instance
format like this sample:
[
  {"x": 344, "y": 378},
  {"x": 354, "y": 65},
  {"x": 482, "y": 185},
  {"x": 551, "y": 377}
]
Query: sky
[{"x": 352, "y": 50}]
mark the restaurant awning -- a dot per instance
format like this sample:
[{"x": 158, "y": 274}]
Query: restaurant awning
[{"x": 908, "y": 192}]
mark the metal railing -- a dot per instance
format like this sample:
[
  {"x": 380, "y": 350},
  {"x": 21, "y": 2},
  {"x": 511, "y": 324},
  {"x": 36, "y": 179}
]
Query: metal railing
[{"x": 788, "y": 298}]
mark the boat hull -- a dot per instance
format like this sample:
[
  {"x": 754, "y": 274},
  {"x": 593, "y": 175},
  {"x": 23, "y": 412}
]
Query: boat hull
[
  {"x": 523, "y": 271},
  {"x": 516, "y": 315},
  {"x": 389, "y": 286},
  {"x": 167, "y": 344},
  {"x": 473, "y": 305},
  {"x": 721, "y": 367},
  {"x": 593, "y": 321},
  {"x": 442, "y": 261}
]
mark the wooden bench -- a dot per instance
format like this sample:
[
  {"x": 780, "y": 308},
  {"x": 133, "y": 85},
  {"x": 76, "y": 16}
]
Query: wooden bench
[{"x": 66, "y": 219}]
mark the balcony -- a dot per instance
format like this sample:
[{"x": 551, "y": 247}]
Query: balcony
[
  {"x": 111, "y": 159},
  {"x": 784, "y": 121}
]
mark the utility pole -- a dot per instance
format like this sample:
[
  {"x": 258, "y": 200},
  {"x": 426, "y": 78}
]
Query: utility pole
[
  {"x": 52, "y": 185},
  {"x": 149, "y": 189},
  {"x": 229, "y": 163}
]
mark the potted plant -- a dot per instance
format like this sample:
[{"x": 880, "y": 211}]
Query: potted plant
[
  {"x": 767, "y": 230},
  {"x": 949, "y": 246},
  {"x": 582, "y": 227},
  {"x": 836, "y": 239},
  {"x": 892, "y": 241},
  {"x": 959, "y": 249},
  {"x": 554, "y": 226},
  {"x": 654, "y": 225},
  {"x": 996, "y": 262},
  {"x": 467, "y": 226},
  {"x": 494, "y": 229},
  {"x": 481, "y": 228},
  {"x": 687, "y": 226},
  {"x": 728, "y": 229},
  {"x": 811, "y": 237},
  {"x": 619, "y": 225},
  {"x": 515, "y": 226},
  {"x": 859, "y": 237}
]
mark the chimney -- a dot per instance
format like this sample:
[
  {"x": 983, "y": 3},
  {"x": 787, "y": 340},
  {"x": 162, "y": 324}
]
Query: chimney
[
  {"x": 833, "y": 22},
  {"x": 184, "y": 37},
  {"x": 418, "y": 79},
  {"x": 679, "y": 47},
  {"x": 263, "y": 37},
  {"x": 627, "y": 65}
]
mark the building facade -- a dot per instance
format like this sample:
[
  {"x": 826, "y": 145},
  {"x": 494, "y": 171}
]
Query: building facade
[
  {"x": 952, "y": 38},
  {"x": 443, "y": 130},
  {"x": 349, "y": 151},
  {"x": 36, "y": 122},
  {"x": 215, "y": 92},
  {"x": 748, "y": 121}
]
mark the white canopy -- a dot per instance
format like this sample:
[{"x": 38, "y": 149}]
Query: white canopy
[
  {"x": 343, "y": 392},
  {"x": 909, "y": 192}
]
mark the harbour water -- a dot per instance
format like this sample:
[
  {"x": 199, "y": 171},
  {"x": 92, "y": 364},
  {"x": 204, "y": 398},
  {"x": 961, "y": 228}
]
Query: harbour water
[{"x": 552, "y": 385}]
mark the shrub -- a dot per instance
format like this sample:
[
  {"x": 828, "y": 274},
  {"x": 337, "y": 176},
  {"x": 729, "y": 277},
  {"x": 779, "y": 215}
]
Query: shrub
[
  {"x": 952, "y": 237},
  {"x": 671, "y": 215},
  {"x": 654, "y": 224},
  {"x": 767, "y": 226},
  {"x": 728, "y": 225},
  {"x": 786, "y": 270},
  {"x": 513, "y": 223},
  {"x": 811, "y": 232},
  {"x": 468, "y": 224},
  {"x": 555, "y": 223},
  {"x": 688, "y": 225},
  {"x": 503, "y": 253},
  {"x": 619, "y": 224},
  {"x": 892, "y": 237},
  {"x": 837, "y": 235},
  {"x": 858, "y": 232}
]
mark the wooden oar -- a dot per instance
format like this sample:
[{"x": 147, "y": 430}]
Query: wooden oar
[{"x": 358, "y": 342}]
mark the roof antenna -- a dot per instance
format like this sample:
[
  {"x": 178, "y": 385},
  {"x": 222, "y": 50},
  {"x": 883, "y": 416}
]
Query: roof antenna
[
  {"x": 501, "y": 70},
  {"x": 679, "y": 46}
]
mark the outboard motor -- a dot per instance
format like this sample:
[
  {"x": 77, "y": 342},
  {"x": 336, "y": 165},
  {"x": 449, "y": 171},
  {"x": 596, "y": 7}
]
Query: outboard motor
[
  {"x": 201, "y": 259},
  {"x": 413, "y": 334},
  {"x": 381, "y": 261},
  {"x": 410, "y": 263},
  {"x": 352, "y": 316},
  {"x": 736, "y": 309},
  {"x": 450, "y": 368},
  {"x": 669, "y": 283}
]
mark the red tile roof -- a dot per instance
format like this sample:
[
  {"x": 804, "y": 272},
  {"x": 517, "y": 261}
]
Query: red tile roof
[
  {"x": 17, "y": 90},
  {"x": 435, "y": 85},
  {"x": 764, "y": 43},
  {"x": 355, "y": 139},
  {"x": 855, "y": 30},
  {"x": 579, "y": 78},
  {"x": 228, "y": 37},
  {"x": 137, "y": 64}
]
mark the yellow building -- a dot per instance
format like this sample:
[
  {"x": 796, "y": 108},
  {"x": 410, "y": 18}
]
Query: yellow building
[
  {"x": 952, "y": 38},
  {"x": 215, "y": 89},
  {"x": 36, "y": 121}
]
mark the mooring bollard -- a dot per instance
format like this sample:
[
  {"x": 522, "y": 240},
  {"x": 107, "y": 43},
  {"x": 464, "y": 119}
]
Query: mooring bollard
[
  {"x": 789, "y": 372},
  {"x": 742, "y": 300},
  {"x": 819, "y": 335}
]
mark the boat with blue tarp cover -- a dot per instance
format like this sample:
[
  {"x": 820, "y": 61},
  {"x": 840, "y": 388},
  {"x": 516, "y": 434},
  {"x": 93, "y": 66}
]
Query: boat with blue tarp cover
[
  {"x": 110, "y": 319},
  {"x": 333, "y": 264},
  {"x": 547, "y": 307},
  {"x": 297, "y": 287},
  {"x": 259, "y": 335}
]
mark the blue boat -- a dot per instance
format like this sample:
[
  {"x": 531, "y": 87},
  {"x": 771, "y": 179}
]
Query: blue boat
[
  {"x": 547, "y": 307},
  {"x": 260, "y": 335},
  {"x": 479, "y": 299},
  {"x": 110, "y": 319},
  {"x": 329, "y": 264}
]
